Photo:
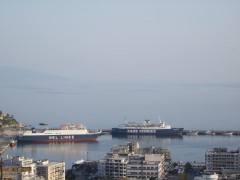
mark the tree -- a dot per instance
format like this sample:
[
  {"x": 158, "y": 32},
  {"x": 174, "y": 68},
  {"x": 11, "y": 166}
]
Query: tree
[
  {"x": 187, "y": 167},
  {"x": 152, "y": 178}
]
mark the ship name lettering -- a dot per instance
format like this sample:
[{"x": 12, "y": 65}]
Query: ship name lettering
[
  {"x": 67, "y": 137},
  {"x": 53, "y": 137},
  {"x": 147, "y": 131},
  {"x": 132, "y": 131}
]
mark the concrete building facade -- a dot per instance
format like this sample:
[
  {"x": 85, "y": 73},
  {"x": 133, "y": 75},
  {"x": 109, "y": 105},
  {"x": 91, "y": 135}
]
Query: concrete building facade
[
  {"x": 126, "y": 161},
  {"x": 20, "y": 161},
  {"x": 115, "y": 166},
  {"x": 145, "y": 166},
  {"x": 37, "y": 170},
  {"x": 220, "y": 159},
  {"x": 51, "y": 170}
]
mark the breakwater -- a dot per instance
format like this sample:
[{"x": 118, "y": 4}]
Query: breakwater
[
  {"x": 5, "y": 137},
  {"x": 196, "y": 132}
]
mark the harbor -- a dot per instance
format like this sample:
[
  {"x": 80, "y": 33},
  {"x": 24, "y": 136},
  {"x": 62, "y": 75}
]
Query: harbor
[
  {"x": 177, "y": 149},
  {"x": 183, "y": 148},
  {"x": 5, "y": 138}
]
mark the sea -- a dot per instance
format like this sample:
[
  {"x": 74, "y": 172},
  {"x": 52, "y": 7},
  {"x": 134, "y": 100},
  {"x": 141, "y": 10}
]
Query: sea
[
  {"x": 99, "y": 106},
  {"x": 186, "y": 148},
  {"x": 192, "y": 107}
]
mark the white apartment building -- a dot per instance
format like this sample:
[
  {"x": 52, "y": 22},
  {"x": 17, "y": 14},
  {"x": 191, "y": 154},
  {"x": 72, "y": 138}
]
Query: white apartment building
[
  {"x": 115, "y": 166},
  {"x": 145, "y": 166},
  {"x": 101, "y": 167},
  {"x": 126, "y": 161},
  {"x": 51, "y": 170},
  {"x": 40, "y": 170},
  {"x": 20, "y": 161},
  {"x": 219, "y": 160}
]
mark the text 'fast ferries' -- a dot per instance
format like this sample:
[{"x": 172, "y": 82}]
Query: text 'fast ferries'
[
  {"x": 141, "y": 131},
  {"x": 61, "y": 137}
]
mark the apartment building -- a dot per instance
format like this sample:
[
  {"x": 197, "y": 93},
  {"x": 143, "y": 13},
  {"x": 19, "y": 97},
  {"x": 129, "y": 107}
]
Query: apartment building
[
  {"x": 22, "y": 168},
  {"x": 126, "y": 161},
  {"x": 145, "y": 166},
  {"x": 156, "y": 150},
  {"x": 220, "y": 160},
  {"x": 51, "y": 170},
  {"x": 12, "y": 163},
  {"x": 115, "y": 166}
]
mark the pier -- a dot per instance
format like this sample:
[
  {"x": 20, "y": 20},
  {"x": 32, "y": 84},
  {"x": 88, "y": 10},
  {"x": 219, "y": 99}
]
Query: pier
[
  {"x": 3, "y": 148},
  {"x": 199, "y": 132},
  {"x": 212, "y": 132},
  {"x": 5, "y": 137}
]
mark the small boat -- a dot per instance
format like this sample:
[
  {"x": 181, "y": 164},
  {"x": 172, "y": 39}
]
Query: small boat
[
  {"x": 12, "y": 143},
  {"x": 209, "y": 132},
  {"x": 192, "y": 133},
  {"x": 43, "y": 124},
  {"x": 228, "y": 133}
]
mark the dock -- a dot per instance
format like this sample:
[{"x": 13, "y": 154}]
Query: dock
[
  {"x": 213, "y": 132},
  {"x": 5, "y": 137},
  {"x": 198, "y": 132},
  {"x": 3, "y": 148}
]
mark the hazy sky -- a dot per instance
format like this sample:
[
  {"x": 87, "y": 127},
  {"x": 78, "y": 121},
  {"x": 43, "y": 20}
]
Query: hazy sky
[{"x": 124, "y": 40}]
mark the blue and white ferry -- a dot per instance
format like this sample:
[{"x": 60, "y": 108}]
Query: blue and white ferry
[{"x": 146, "y": 128}]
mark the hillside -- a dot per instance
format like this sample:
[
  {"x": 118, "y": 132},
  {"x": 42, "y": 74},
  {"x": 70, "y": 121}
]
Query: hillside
[
  {"x": 7, "y": 120},
  {"x": 13, "y": 75}
]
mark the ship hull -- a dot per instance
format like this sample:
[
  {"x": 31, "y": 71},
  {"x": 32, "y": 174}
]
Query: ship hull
[
  {"x": 156, "y": 132},
  {"x": 58, "y": 138}
]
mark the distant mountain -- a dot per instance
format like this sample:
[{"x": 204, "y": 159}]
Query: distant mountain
[{"x": 12, "y": 75}]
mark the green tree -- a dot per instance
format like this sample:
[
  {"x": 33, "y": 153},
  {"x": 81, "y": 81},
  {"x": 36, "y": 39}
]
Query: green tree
[
  {"x": 187, "y": 167},
  {"x": 152, "y": 178}
]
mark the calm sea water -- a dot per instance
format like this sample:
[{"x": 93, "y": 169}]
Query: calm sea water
[
  {"x": 190, "y": 107},
  {"x": 187, "y": 148}
]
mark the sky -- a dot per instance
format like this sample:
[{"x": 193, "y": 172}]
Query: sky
[
  {"x": 132, "y": 59},
  {"x": 127, "y": 41}
]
